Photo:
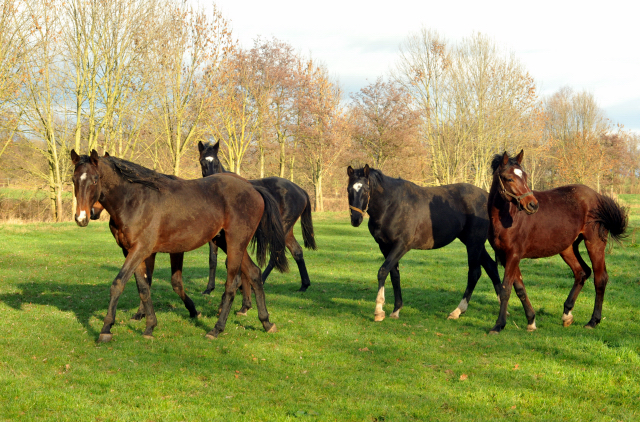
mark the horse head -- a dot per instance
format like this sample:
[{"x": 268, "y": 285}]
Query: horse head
[
  {"x": 512, "y": 182},
  {"x": 209, "y": 161},
  {"x": 86, "y": 184},
  {"x": 359, "y": 192}
]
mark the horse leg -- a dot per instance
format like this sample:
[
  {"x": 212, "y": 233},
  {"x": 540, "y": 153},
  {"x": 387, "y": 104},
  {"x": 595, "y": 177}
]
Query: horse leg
[
  {"x": 213, "y": 263},
  {"x": 581, "y": 272},
  {"x": 397, "y": 292},
  {"x": 511, "y": 270},
  {"x": 134, "y": 258},
  {"x": 234, "y": 262},
  {"x": 246, "y": 294},
  {"x": 176, "y": 282},
  {"x": 267, "y": 270},
  {"x": 473, "y": 259},
  {"x": 392, "y": 257},
  {"x": 251, "y": 273},
  {"x": 596, "y": 251},
  {"x": 150, "y": 264},
  {"x": 518, "y": 284},
  {"x": 491, "y": 268},
  {"x": 296, "y": 251},
  {"x": 144, "y": 290}
]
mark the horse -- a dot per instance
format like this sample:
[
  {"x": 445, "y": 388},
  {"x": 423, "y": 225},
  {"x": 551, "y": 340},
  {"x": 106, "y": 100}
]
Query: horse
[
  {"x": 405, "y": 216},
  {"x": 553, "y": 222},
  {"x": 293, "y": 203},
  {"x": 154, "y": 213}
]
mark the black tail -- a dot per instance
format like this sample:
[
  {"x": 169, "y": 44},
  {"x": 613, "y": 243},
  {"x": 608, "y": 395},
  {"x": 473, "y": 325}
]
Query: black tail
[
  {"x": 270, "y": 234},
  {"x": 307, "y": 226},
  {"x": 611, "y": 219}
]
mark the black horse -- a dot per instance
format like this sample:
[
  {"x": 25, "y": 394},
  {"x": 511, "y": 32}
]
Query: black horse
[
  {"x": 405, "y": 216},
  {"x": 154, "y": 213},
  {"x": 293, "y": 203}
]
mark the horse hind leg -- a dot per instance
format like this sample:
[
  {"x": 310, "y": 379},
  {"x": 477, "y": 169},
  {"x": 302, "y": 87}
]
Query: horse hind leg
[
  {"x": 177, "y": 285},
  {"x": 234, "y": 263},
  {"x": 397, "y": 291},
  {"x": 246, "y": 295},
  {"x": 581, "y": 272},
  {"x": 596, "y": 249},
  {"x": 251, "y": 272},
  {"x": 474, "y": 260}
]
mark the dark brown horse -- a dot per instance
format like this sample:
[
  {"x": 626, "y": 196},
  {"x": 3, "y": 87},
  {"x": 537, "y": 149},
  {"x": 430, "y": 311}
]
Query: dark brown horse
[
  {"x": 293, "y": 203},
  {"x": 154, "y": 213},
  {"x": 405, "y": 216},
  {"x": 553, "y": 222}
]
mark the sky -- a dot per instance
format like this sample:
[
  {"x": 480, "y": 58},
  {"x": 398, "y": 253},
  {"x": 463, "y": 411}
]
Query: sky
[{"x": 584, "y": 45}]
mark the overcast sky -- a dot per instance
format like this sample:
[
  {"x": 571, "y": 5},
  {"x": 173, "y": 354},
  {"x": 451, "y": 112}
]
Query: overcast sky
[{"x": 585, "y": 45}]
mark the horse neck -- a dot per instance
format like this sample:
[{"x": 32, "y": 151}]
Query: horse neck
[
  {"x": 497, "y": 204},
  {"x": 113, "y": 190},
  {"x": 379, "y": 199}
]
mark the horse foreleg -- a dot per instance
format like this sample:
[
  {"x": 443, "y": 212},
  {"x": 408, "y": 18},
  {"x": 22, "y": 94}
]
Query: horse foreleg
[
  {"x": 510, "y": 272},
  {"x": 134, "y": 258},
  {"x": 392, "y": 257},
  {"x": 213, "y": 264},
  {"x": 526, "y": 304},
  {"x": 178, "y": 287},
  {"x": 145, "y": 299},
  {"x": 581, "y": 272},
  {"x": 246, "y": 294},
  {"x": 150, "y": 263}
]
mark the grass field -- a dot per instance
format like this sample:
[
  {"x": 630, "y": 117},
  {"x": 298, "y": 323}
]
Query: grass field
[{"x": 329, "y": 360}]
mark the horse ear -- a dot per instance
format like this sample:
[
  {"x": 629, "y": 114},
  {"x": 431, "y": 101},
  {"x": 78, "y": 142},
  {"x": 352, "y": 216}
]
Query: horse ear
[
  {"x": 505, "y": 159},
  {"x": 94, "y": 157},
  {"x": 74, "y": 157},
  {"x": 349, "y": 171},
  {"x": 520, "y": 156},
  {"x": 200, "y": 147},
  {"x": 216, "y": 147},
  {"x": 366, "y": 170},
  {"x": 106, "y": 154}
]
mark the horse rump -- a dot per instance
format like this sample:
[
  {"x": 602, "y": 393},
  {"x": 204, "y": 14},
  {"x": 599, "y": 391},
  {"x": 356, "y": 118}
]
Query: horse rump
[
  {"x": 611, "y": 219},
  {"x": 270, "y": 234}
]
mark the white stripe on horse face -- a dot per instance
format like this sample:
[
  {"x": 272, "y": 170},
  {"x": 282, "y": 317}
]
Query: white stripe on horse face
[
  {"x": 83, "y": 177},
  {"x": 357, "y": 186},
  {"x": 209, "y": 159},
  {"x": 518, "y": 172},
  {"x": 82, "y": 216}
]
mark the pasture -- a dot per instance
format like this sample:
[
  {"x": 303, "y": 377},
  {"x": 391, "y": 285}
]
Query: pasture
[{"x": 329, "y": 360}]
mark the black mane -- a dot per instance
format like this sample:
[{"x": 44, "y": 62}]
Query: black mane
[{"x": 135, "y": 173}]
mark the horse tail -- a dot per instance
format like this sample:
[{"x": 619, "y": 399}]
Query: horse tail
[
  {"x": 611, "y": 219},
  {"x": 270, "y": 234},
  {"x": 307, "y": 226}
]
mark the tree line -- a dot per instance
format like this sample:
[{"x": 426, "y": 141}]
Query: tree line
[{"x": 145, "y": 80}]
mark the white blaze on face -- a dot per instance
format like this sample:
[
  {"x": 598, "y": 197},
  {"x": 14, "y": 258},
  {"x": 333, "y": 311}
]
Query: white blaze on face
[
  {"x": 209, "y": 159},
  {"x": 357, "y": 186},
  {"x": 82, "y": 216},
  {"x": 518, "y": 172},
  {"x": 83, "y": 177}
]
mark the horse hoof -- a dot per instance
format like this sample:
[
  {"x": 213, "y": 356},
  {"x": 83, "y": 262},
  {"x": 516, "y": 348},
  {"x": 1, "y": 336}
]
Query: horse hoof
[
  {"x": 303, "y": 288},
  {"x": 196, "y": 315},
  {"x": 212, "y": 335},
  {"x": 273, "y": 329},
  {"x": 105, "y": 338},
  {"x": 395, "y": 315},
  {"x": 137, "y": 316},
  {"x": 567, "y": 320},
  {"x": 379, "y": 317},
  {"x": 241, "y": 313},
  {"x": 148, "y": 336},
  {"x": 455, "y": 314},
  {"x": 494, "y": 332},
  {"x": 589, "y": 327},
  {"x": 207, "y": 292},
  {"x": 532, "y": 327}
]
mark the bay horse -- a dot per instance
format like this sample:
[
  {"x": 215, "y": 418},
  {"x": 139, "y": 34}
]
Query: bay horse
[
  {"x": 155, "y": 213},
  {"x": 405, "y": 216},
  {"x": 293, "y": 203},
  {"x": 554, "y": 222}
]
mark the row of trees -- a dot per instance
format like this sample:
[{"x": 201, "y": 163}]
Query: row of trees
[{"x": 146, "y": 79}]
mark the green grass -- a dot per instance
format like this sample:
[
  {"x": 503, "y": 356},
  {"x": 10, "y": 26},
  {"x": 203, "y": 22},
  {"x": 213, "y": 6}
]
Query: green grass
[
  {"x": 26, "y": 194},
  {"x": 329, "y": 360}
]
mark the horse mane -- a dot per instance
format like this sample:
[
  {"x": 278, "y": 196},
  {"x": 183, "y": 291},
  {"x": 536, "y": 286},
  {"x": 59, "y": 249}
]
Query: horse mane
[
  {"x": 135, "y": 173},
  {"x": 497, "y": 160}
]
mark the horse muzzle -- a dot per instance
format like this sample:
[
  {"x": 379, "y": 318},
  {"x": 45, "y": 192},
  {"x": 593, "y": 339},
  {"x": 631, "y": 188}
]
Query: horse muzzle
[
  {"x": 81, "y": 219},
  {"x": 531, "y": 208}
]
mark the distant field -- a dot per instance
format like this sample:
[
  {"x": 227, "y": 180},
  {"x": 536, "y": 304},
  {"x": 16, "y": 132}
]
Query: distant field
[
  {"x": 27, "y": 194},
  {"x": 329, "y": 360}
]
